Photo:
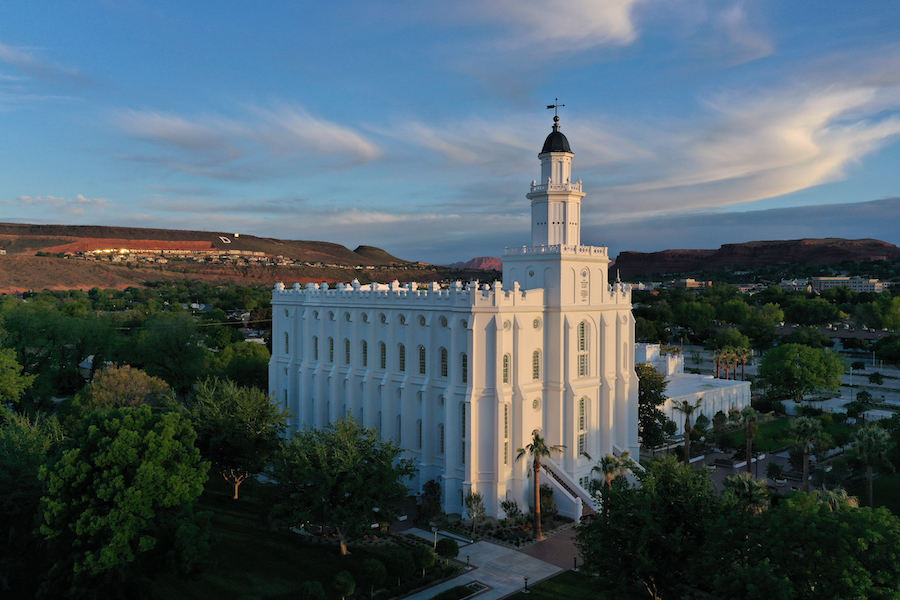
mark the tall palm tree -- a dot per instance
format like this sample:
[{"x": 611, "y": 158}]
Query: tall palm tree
[
  {"x": 806, "y": 430},
  {"x": 687, "y": 409},
  {"x": 872, "y": 443},
  {"x": 751, "y": 494},
  {"x": 750, "y": 417},
  {"x": 717, "y": 358},
  {"x": 611, "y": 466},
  {"x": 537, "y": 449},
  {"x": 743, "y": 356}
]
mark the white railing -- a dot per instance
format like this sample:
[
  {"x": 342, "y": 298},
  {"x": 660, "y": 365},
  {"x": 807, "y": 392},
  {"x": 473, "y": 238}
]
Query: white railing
[
  {"x": 556, "y": 187},
  {"x": 555, "y": 249}
]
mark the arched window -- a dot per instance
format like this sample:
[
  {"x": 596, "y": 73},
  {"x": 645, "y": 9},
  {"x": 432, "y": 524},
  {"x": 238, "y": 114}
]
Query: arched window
[
  {"x": 401, "y": 358},
  {"x": 444, "y": 369},
  {"x": 464, "y": 361},
  {"x": 582, "y": 350},
  {"x": 419, "y": 433},
  {"x": 582, "y": 422},
  {"x": 346, "y": 352},
  {"x": 506, "y": 368},
  {"x": 287, "y": 343},
  {"x": 331, "y": 350},
  {"x": 399, "y": 430},
  {"x": 536, "y": 365},
  {"x": 365, "y": 353},
  {"x": 422, "y": 360},
  {"x": 581, "y": 415},
  {"x": 441, "y": 433},
  {"x": 506, "y": 434},
  {"x": 382, "y": 350},
  {"x": 315, "y": 348}
]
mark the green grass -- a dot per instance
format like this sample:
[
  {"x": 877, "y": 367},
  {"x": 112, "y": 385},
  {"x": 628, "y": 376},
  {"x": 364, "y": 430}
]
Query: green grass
[
  {"x": 566, "y": 586},
  {"x": 886, "y": 490},
  {"x": 772, "y": 435},
  {"x": 250, "y": 560}
]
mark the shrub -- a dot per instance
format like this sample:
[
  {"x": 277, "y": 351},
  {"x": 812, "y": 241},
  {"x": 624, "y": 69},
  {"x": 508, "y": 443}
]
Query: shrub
[
  {"x": 424, "y": 557},
  {"x": 343, "y": 584},
  {"x": 373, "y": 573},
  {"x": 858, "y": 365},
  {"x": 454, "y": 593},
  {"x": 511, "y": 508},
  {"x": 448, "y": 548},
  {"x": 400, "y": 564}
]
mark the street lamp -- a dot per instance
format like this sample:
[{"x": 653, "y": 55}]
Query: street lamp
[
  {"x": 434, "y": 530},
  {"x": 525, "y": 591}
]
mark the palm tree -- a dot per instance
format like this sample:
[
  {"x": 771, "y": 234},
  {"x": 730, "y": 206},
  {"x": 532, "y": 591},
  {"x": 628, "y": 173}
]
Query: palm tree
[
  {"x": 612, "y": 466},
  {"x": 806, "y": 430},
  {"x": 743, "y": 356},
  {"x": 687, "y": 409},
  {"x": 537, "y": 449},
  {"x": 751, "y": 494},
  {"x": 728, "y": 360},
  {"x": 836, "y": 498},
  {"x": 750, "y": 417},
  {"x": 872, "y": 443},
  {"x": 717, "y": 358}
]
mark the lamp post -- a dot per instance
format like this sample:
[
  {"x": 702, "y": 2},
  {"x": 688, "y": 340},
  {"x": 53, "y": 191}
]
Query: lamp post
[
  {"x": 468, "y": 565},
  {"x": 525, "y": 591},
  {"x": 434, "y": 530}
]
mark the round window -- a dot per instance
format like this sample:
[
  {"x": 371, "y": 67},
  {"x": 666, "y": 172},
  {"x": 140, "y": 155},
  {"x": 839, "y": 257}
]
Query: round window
[
  {"x": 465, "y": 324},
  {"x": 383, "y": 318},
  {"x": 285, "y": 312},
  {"x": 403, "y": 319},
  {"x": 422, "y": 321},
  {"x": 506, "y": 325},
  {"x": 536, "y": 403},
  {"x": 365, "y": 318},
  {"x": 316, "y": 315},
  {"x": 536, "y": 323},
  {"x": 347, "y": 317},
  {"x": 443, "y": 321},
  {"x": 330, "y": 316}
]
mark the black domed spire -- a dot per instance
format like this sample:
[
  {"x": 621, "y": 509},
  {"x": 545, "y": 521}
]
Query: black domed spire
[{"x": 556, "y": 141}]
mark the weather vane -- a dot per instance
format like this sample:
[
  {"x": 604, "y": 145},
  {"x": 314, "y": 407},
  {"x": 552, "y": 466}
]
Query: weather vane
[{"x": 556, "y": 106}]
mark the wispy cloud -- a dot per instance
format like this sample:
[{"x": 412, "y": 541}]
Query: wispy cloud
[
  {"x": 29, "y": 63},
  {"x": 267, "y": 142},
  {"x": 76, "y": 207}
]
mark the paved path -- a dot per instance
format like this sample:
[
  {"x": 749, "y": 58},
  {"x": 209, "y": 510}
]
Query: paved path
[{"x": 500, "y": 568}]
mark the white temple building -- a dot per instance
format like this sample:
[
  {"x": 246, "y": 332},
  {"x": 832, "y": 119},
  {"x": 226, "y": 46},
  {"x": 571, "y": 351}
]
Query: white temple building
[{"x": 461, "y": 377}]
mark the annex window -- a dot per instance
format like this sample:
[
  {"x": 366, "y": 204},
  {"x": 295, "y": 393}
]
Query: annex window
[
  {"x": 346, "y": 352},
  {"x": 399, "y": 430},
  {"x": 582, "y": 442},
  {"x": 422, "y": 360},
  {"x": 441, "y": 434},
  {"x": 462, "y": 416},
  {"x": 581, "y": 415},
  {"x": 419, "y": 433},
  {"x": 331, "y": 350},
  {"x": 287, "y": 343},
  {"x": 462, "y": 451},
  {"x": 315, "y": 348},
  {"x": 401, "y": 357},
  {"x": 383, "y": 351},
  {"x": 582, "y": 350},
  {"x": 505, "y": 453},
  {"x": 444, "y": 368},
  {"x": 464, "y": 360},
  {"x": 506, "y": 368},
  {"x": 536, "y": 365},
  {"x": 365, "y": 353}
]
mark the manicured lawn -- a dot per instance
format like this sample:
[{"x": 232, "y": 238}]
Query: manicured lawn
[
  {"x": 566, "y": 586},
  {"x": 249, "y": 559},
  {"x": 886, "y": 491},
  {"x": 772, "y": 435}
]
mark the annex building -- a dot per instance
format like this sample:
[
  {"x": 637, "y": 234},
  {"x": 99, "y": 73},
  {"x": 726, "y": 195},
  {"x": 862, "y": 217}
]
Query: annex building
[{"x": 462, "y": 376}]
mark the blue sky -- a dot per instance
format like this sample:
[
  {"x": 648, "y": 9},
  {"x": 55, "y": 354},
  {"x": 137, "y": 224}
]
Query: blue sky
[{"x": 414, "y": 126}]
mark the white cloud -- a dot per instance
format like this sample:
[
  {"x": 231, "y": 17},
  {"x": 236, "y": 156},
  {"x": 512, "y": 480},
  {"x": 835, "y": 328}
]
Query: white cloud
[
  {"x": 76, "y": 207},
  {"x": 28, "y": 63},
  {"x": 266, "y": 142}
]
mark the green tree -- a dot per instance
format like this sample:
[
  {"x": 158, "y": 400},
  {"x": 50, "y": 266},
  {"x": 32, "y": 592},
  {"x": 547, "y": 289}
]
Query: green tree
[
  {"x": 694, "y": 316},
  {"x": 808, "y": 336},
  {"x": 245, "y": 363},
  {"x": 654, "y": 426},
  {"x": 375, "y": 574},
  {"x": 876, "y": 378},
  {"x": 25, "y": 444},
  {"x": 728, "y": 337},
  {"x": 815, "y": 311},
  {"x": 171, "y": 346},
  {"x": 239, "y": 428},
  {"x": 872, "y": 444},
  {"x": 795, "y": 370},
  {"x": 13, "y": 382},
  {"x": 344, "y": 476},
  {"x": 313, "y": 590},
  {"x": 654, "y": 530},
  {"x": 687, "y": 409},
  {"x": 119, "y": 503},
  {"x": 448, "y": 548},
  {"x": 734, "y": 311},
  {"x": 750, "y": 419},
  {"x": 537, "y": 449},
  {"x": 761, "y": 325},
  {"x": 802, "y": 549},
  {"x": 424, "y": 557}
]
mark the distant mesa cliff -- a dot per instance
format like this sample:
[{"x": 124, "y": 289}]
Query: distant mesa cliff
[
  {"x": 481, "y": 263},
  {"x": 752, "y": 255}
]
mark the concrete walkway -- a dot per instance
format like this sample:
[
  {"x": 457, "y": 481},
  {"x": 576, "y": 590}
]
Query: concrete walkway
[{"x": 501, "y": 569}]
